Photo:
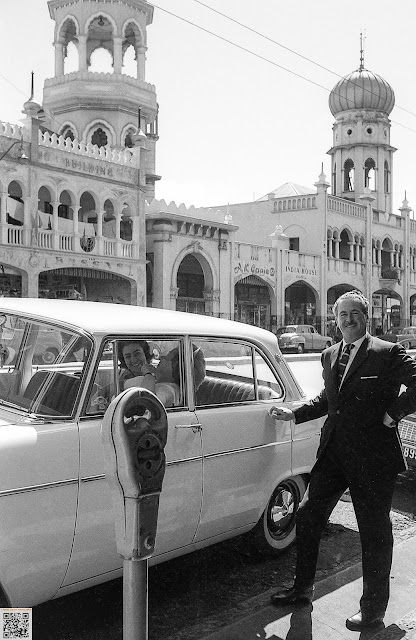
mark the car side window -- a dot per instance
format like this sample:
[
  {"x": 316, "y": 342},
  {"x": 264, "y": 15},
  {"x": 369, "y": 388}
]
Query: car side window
[
  {"x": 268, "y": 386},
  {"x": 229, "y": 374},
  {"x": 121, "y": 367},
  {"x": 234, "y": 372}
]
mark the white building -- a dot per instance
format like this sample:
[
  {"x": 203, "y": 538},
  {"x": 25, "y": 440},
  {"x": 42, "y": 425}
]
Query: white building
[{"x": 79, "y": 217}]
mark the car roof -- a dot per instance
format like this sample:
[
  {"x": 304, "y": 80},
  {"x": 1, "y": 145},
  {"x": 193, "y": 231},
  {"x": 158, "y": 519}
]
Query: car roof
[{"x": 106, "y": 318}]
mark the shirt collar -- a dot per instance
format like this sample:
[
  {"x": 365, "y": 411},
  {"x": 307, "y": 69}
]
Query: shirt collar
[{"x": 357, "y": 344}]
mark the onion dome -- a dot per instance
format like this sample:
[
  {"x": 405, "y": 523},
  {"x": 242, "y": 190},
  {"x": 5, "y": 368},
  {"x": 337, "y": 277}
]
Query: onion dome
[{"x": 361, "y": 89}]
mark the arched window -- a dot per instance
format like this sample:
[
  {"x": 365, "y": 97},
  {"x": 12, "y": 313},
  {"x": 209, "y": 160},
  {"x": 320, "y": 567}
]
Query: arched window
[
  {"x": 128, "y": 140},
  {"x": 349, "y": 175},
  {"x": 68, "y": 133},
  {"x": 334, "y": 180},
  {"x": 370, "y": 174},
  {"x": 386, "y": 177},
  {"x": 99, "y": 137}
]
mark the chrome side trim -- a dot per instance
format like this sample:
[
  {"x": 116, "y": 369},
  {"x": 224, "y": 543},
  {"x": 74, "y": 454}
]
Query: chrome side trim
[
  {"x": 39, "y": 487},
  {"x": 101, "y": 476},
  {"x": 196, "y": 459},
  {"x": 304, "y": 438},
  {"x": 244, "y": 449}
]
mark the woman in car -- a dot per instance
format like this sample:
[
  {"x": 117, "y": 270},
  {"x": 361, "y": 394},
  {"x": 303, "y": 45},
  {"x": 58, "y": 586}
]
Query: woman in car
[{"x": 163, "y": 380}]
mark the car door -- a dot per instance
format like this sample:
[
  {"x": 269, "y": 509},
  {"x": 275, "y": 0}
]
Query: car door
[
  {"x": 94, "y": 549},
  {"x": 306, "y": 334},
  {"x": 244, "y": 449},
  {"x": 39, "y": 461}
]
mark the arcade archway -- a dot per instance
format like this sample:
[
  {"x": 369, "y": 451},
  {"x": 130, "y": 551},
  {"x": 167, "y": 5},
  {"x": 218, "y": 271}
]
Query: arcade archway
[
  {"x": 301, "y": 304},
  {"x": 85, "y": 284},
  {"x": 252, "y": 302}
]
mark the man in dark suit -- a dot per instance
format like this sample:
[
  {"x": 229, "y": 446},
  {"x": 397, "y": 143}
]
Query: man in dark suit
[{"x": 359, "y": 449}]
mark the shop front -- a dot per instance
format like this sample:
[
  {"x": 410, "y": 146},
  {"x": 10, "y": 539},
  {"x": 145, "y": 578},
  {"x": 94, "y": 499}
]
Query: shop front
[{"x": 252, "y": 302}]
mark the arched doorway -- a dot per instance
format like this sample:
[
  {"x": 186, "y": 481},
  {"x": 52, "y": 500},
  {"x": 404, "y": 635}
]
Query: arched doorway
[
  {"x": 301, "y": 305},
  {"x": 191, "y": 286},
  {"x": 386, "y": 311},
  {"x": 252, "y": 302},
  {"x": 85, "y": 284}
]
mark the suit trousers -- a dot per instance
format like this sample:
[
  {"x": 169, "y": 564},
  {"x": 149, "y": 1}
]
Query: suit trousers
[{"x": 371, "y": 487}]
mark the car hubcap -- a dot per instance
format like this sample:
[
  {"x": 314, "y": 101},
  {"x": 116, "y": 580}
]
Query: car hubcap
[{"x": 281, "y": 512}]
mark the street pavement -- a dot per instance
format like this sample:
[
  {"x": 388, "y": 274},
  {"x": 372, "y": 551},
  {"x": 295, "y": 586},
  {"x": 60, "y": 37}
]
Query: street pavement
[{"x": 336, "y": 598}]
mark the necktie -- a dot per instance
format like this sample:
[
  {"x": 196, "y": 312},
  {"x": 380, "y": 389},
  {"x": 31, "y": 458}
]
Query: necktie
[{"x": 343, "y": 361}]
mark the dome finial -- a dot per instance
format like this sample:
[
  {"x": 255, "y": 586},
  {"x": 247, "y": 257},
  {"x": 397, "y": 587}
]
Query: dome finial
[{"x": 362, "y": 43}]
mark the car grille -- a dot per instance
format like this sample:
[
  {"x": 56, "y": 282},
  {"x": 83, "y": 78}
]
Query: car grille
[{"x": 407, "y": 430}]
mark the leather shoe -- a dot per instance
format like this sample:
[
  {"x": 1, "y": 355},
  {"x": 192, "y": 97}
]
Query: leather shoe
[
  {"x": 293, "y": 595},
  {"x": 362, "y": 620}
]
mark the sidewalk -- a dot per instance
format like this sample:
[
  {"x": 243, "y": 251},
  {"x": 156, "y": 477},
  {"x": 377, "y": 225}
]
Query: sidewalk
[{"x": 337, "y": 598}]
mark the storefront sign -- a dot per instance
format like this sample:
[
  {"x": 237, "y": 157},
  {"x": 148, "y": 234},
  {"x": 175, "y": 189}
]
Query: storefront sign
[
  {"x": 251, "y": 268},
  {"x": 90, "y": 166},
  {"x": 301, "y": 271}
]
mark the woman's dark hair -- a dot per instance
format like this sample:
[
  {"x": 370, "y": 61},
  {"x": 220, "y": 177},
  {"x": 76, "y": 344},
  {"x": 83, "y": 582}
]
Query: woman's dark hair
[{"x": 141, "y": 343}]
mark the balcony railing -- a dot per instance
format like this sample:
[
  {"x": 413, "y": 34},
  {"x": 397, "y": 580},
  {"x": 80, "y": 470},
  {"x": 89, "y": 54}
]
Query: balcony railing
[{"x": 14, "y": 235}]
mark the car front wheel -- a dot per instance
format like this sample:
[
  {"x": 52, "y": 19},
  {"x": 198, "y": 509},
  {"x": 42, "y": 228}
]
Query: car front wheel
[
  {"x": 406, "y": 345},
  {"x": 300, "y": 348},
  {"x": 275, "y": 531}
]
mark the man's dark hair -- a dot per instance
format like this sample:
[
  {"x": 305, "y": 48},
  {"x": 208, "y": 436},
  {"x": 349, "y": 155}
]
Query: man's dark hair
[{"x": 352, "y": 295}]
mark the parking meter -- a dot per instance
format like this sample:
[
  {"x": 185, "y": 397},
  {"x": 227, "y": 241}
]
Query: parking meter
[{"x": 134, "y": 433}]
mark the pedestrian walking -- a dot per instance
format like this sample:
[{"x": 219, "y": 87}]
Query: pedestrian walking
[{"x": 359, "y": 449}]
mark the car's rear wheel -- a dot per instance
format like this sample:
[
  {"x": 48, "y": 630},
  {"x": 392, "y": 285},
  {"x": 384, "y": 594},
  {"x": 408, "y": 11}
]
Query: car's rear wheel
[
  {"x": 300, "y": 348},
  {"x": 275, "y": 531},
  {"x": 406, "y": 345}
]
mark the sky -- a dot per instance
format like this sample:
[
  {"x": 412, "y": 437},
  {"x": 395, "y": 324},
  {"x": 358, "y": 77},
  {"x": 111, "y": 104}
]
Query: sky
[{"x": 233, "y": 126}]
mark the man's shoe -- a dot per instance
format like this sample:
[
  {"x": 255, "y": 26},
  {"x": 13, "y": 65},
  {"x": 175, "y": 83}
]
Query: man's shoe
[
  {"x": 363, "y": 621},
  {"x": 294, "y": 595}
]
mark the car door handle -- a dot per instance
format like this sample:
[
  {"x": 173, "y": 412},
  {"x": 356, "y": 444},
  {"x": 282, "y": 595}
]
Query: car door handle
[{"x": 196, "y": 426}]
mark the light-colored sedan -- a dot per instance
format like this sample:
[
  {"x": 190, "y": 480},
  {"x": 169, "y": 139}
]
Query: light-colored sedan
[
  {"x": 231, "y": 467},
  {"x": 301, "y": 337}
]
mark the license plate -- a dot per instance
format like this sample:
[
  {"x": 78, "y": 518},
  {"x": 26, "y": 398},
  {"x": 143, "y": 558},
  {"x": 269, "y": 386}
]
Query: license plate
[{"x": 410, "y": 454}]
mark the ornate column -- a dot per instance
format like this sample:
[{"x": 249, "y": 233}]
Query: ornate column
[
  {"x": 406, "y": 266},
  {"x": 3, "y": 217},
  {"x": 55, "y": 222},
  {"x": 118, "y": 54},
  {"x": 141, "y": 62},
  {"x": 82, "y": 53},
  {"x": 59, "y": 59}
]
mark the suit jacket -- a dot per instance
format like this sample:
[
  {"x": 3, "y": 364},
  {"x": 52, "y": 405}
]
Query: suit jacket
[{"x": 355, "y": 412}]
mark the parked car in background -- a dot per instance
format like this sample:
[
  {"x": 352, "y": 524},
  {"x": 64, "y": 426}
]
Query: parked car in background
[
  {"x": 406, "y": 336},
  {"x": 231, "y": 469},
  {"x": 301, "y": 337}
]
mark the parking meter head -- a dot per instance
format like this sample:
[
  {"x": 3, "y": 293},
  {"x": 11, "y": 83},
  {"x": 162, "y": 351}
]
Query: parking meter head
[{"x": 134, "y": 434}]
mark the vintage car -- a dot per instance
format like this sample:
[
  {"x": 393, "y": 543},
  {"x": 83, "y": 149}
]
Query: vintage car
[
  {"x": 231, "y": 467},
  {"x": 406, "y": 336},
  {"x": 301, "y": 337}
]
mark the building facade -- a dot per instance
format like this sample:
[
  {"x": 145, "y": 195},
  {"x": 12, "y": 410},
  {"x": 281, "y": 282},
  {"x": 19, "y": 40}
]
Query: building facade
[{"x": 79, "y": 217}]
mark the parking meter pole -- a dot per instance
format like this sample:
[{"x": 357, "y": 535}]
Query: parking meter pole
[
  {"x": 134, "y": 434},
  {"x": 135, "y": 600}
]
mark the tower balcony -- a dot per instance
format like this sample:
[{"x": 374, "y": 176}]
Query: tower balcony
[{"x": 92, "y": 90}]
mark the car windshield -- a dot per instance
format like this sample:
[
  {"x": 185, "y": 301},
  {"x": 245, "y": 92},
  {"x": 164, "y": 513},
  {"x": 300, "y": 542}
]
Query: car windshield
[
  {"x": 288, "y": 329},
  {"x": 41, "y": 366}
]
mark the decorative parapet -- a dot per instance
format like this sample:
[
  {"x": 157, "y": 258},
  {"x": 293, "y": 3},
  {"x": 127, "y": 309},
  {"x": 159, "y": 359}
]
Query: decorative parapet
[
  {"x": 340, "y": 205},
  {"x": 116, "y": 156},
  {"x": 190, "y": 221},
  {"x": 161, "y": 206},
  {"x": 12, "y": 131},
  {"x": 297, "y": 203},
  {"x": 96, "y": 76}
]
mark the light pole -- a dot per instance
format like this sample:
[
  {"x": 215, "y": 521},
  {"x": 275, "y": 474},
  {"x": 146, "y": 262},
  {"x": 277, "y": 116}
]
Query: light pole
[{"x": 23, "y": 156}]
